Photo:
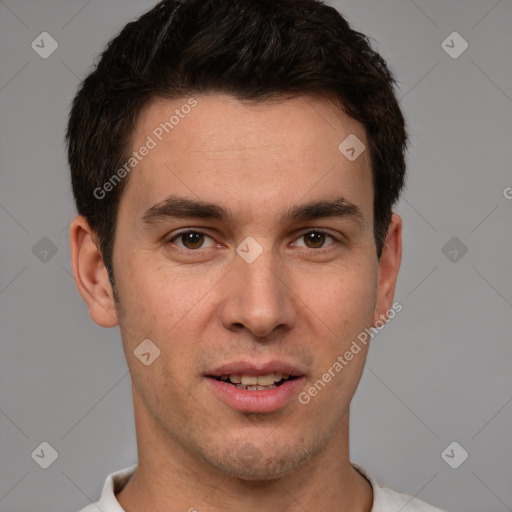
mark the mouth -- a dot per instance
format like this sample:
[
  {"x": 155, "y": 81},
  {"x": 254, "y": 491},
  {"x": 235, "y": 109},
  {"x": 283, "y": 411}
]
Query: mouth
[{"x": 255, "y": 388}]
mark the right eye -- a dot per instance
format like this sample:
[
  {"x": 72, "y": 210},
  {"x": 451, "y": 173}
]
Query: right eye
[{"x": 190, "y": 240}]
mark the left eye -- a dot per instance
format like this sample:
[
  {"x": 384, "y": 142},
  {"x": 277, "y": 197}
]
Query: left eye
[
  {"x": 191, "y": 240},
  {"x": 314, "y": 239}
]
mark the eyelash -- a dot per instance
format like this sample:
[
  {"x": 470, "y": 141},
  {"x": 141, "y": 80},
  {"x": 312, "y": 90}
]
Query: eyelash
[{"x": 199, "y": 251}]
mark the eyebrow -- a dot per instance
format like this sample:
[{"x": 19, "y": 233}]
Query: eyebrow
[
  {"x": 182, "y": 207},
  {"x": 338, "y": 207}
]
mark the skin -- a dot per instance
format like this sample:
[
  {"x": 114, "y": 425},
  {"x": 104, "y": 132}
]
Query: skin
[{"x": 293, "y": 303}]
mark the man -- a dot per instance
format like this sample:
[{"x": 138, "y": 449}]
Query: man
[{"x": 234, "y": 166}]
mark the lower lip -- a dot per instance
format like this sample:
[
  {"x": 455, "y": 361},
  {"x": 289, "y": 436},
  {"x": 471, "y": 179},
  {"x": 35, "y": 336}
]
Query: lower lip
[{"x": 264, "y": 400}]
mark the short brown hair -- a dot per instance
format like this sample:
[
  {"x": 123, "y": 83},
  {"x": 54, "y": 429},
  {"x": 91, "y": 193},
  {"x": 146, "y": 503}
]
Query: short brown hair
[{"x": 250, "y": 49}]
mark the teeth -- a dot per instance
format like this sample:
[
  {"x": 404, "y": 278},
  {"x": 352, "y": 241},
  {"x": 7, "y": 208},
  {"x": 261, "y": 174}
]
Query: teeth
[
  {"x": 254, "y": 382},
  {"x": 259, "y": 380},
  {"x": 255, "y": 388},
  {"x": 249, "y": 380},
  {"x": 266, "y": 380}
]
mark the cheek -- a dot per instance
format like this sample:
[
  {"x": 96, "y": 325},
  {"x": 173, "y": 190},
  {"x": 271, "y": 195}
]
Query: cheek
[
  {"x": 342, "y": 308},
  {"x": 342, "y": 300},
  {"x": 170, "y": 308},
  {"x": 152, "y": 296}
]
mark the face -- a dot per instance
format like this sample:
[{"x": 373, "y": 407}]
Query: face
[{"x": 244, "y": 251}]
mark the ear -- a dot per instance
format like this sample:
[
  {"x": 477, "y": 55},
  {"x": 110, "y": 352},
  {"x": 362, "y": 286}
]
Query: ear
[
  {"x": 389, "y": 265},
  {"x": 90, "y": 273}
]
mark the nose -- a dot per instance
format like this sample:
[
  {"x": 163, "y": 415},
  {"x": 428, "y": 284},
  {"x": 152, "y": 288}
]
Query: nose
[{"x": 258, "y": 297}]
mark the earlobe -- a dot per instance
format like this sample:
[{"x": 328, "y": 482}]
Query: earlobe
[
  {"x": 389, "y": 265},
  {"x": 90, "y": 273}
]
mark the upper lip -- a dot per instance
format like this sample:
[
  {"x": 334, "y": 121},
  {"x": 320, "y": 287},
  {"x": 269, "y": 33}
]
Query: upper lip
[{"x": 255, "y": 368}]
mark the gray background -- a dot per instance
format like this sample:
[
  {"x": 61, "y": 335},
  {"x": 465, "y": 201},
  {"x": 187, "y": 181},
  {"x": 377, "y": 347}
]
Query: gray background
[{"x": 439, "y": 372}]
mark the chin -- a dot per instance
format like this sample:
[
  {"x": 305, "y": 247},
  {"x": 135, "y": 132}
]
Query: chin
[{"x": 248, "y": 462}]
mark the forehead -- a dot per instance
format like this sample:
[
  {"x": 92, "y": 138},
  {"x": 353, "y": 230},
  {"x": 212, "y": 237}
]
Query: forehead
[{"x": 252, "y": 155}]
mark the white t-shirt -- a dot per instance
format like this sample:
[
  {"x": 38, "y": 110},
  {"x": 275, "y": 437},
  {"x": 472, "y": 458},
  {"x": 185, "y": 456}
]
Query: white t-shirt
[{"x": 384, "y": 499}]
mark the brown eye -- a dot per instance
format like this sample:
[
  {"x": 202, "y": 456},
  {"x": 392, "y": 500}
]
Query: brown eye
[
  {"x": 314, "y": 239},
  {"x": 191, "y": 240}
]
